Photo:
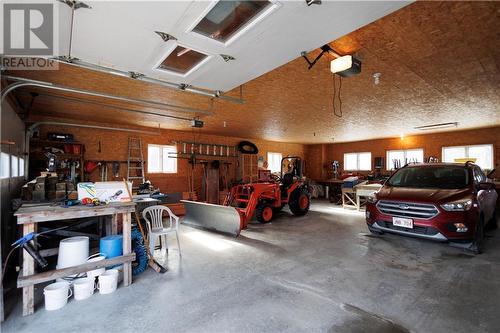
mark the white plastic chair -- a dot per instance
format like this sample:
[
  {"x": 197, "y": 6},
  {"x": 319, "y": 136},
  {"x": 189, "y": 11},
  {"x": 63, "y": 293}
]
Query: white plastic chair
[{"x": 154, "y": 222}]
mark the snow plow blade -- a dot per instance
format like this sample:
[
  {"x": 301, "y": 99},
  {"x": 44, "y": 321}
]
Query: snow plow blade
[{"x": 224, "y": 219}]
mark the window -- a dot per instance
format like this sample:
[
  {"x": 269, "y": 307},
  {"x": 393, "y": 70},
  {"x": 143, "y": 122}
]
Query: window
[
  {"x": 182, "y": 60},
  {"x": 482, "y": 155},
  {"x": 160, "y": 159},
  {"x": 358, "y": 161},
  {"x": 274, "y": 162},
  {"x": 14, "y": 162},
  {"x": 404, "y": 157},
  {"x": 21, "y": 167},
  {"x": 226, "y": 20},
  {"x": 4, "y": 165}
]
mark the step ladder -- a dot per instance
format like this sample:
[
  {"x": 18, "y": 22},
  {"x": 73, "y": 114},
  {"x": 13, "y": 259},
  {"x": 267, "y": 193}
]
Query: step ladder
[{"x": 135, "y": 162}]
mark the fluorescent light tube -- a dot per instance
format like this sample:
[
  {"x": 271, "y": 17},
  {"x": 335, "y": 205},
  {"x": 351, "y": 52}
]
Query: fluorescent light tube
[{"x": 436, "y": 126}]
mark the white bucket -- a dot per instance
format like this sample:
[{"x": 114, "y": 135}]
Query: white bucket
[
  {"x": 84, "y": 288},
  {"x": 56, "y": 295},
  {"x": 108, "y": 281},
  {"x": 98, "y": 271},
  {"x": 73, "y": 251}
]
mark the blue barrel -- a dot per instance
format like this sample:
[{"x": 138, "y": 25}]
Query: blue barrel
[{"x": 111, "y": 246}]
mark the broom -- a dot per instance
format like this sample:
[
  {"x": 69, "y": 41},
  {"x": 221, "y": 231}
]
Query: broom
[{"x": 151, "y": 262}]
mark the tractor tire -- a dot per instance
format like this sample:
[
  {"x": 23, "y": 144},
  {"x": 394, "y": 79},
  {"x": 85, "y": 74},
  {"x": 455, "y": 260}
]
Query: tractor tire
[
  {"x": 264, "y": 213},
  {"x": 300, "y": 201}
]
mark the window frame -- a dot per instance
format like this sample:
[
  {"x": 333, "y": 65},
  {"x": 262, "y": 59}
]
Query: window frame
[
  {"x": 173, "y": 45},
  {"x": 358, "y": 161},
  {"x": 161, "y": 159},
  {"x": 466, "y": 147},
  {"x": 7, "y": 170},
  {"x": 275, "y": 4},
  {"x": 268, "y": 159},
  {"x": 388, "y": 166}
]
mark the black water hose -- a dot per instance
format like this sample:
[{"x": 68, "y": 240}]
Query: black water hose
[
  {"x": 141, "y": 255},
  {"x": 247, "y": 147}
]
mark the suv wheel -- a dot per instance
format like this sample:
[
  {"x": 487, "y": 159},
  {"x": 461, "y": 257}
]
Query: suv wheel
[{"x": 478, "y": 242}]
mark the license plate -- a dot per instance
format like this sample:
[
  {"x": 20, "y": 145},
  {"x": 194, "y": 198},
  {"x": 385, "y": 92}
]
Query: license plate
[{"x": 402, "y": 222}]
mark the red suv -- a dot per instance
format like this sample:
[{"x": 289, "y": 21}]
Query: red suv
[{"x": 437, "y": 201}]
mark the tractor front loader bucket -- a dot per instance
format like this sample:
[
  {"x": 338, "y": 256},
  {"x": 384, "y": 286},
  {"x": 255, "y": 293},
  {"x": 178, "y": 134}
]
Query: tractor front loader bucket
[{"x": 224, "y": 219}]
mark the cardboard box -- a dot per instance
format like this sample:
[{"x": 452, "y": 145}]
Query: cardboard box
[
  {"x": 113, "y": 191},
  {"x": 38, "y": 196},
  {"x": 51, "y": 195},
  {"x": 61, "y": 187},
  {"x": 41, "y": 180},
  {"x": 40, "y": 187}
]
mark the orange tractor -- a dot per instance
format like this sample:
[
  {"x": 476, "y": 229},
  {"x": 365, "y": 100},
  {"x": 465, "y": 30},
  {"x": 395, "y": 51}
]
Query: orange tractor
[{"x": 261, "y": 199}]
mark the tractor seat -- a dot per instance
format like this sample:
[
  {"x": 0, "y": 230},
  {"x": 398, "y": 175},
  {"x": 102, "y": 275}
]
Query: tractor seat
[{"x": 286, "y": 182}]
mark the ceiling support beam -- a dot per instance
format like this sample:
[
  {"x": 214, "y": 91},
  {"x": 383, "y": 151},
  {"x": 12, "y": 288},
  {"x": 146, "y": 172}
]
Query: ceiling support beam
[
  {"x": 134, "y": 76},
  {"x": 22, "y": 82},
  {"x": 76, "y": 100}
]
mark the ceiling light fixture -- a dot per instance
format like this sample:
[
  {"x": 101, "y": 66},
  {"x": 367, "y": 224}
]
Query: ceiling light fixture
[
  {"x": 344, "y": 66},
  {"x": 436, "y": 126}
]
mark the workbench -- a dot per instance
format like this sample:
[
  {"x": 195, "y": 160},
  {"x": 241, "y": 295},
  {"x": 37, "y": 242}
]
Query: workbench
[
  {"x": 334, "y": 187},
  {"x": 352, "y": 197},
  {"x": 29, "y": 216}
]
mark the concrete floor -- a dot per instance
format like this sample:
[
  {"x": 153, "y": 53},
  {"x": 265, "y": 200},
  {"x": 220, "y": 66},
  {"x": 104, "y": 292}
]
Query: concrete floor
[{"x": 318, "y": 273}]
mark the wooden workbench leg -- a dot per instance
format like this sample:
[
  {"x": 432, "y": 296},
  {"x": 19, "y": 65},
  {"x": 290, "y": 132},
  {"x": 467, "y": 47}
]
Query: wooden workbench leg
[
  {"x": 28, "y": 269},
  {"x": 114, "y": 224},
  {"x": 127, "y": 248},
  {"x": 358, "y": 202}
]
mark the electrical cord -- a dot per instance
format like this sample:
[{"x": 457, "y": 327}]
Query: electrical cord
[
  {"x": 339, "y": 113},
  {"x": 7, "y": 260},
  {"x": 17, "y": 246}
]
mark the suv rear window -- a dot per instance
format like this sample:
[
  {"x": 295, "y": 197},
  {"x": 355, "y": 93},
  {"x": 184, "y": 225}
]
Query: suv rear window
[{"x": 442, "y": 177}]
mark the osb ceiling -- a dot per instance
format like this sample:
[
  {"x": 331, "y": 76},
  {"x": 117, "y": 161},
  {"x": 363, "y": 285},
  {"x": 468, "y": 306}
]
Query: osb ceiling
[{"x": 439, "y": 62}]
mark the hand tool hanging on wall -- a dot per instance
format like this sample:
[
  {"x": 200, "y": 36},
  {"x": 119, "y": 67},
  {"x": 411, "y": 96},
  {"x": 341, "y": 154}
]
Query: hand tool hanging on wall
[
  {"x": 116, "y": 169},
  {"x": 104, "y": 171},
  {"x": 203, "y": 192},
  {"x": 225, "y": 176},
  {"x": 151, "y": 262}
]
